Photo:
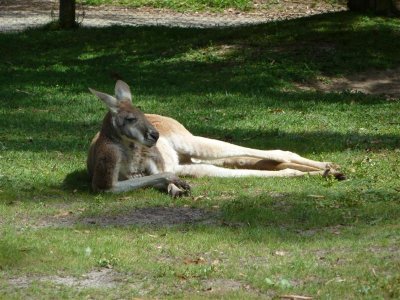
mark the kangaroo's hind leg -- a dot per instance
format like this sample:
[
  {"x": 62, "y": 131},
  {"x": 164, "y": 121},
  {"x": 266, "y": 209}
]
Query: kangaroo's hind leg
[
  {"x": 204, "y": 149},
  {"x": 252, "y": 163}
]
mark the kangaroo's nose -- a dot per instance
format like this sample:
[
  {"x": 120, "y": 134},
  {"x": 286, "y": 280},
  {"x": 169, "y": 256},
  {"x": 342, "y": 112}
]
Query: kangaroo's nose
[{"x": 153, "y": 135}]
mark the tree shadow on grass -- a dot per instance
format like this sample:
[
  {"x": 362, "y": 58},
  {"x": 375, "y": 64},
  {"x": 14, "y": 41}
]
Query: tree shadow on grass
[
  {"x": 303, "y": 143},
  {"x": 258, "y": 60},
  {"x": 77, "y": 181},
  {"x": 177, "y": 61}
]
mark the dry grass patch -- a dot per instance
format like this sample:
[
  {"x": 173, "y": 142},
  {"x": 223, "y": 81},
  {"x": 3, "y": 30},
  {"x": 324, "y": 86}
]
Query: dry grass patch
[
  {"x": 102, "y": 278},
  {"x": 374, "y": 82}
]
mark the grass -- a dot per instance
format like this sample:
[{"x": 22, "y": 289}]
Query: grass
[{"x": 307, "y": 236}]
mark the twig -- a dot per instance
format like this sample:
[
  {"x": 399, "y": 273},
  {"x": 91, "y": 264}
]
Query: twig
[
  {"x": 24, "y": 92},
  {"x": 296, "y": 297}
]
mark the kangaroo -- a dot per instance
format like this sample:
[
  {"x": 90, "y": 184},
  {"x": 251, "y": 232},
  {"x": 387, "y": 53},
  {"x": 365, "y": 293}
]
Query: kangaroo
[{"x": 135, "y": 150}]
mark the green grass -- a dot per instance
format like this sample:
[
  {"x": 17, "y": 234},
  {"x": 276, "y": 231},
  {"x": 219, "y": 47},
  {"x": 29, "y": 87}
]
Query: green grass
[{"x": 307, "y": 236}]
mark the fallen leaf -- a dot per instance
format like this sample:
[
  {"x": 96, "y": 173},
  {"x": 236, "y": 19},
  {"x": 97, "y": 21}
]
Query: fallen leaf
[
  {"x": 276, "y": 111},
  {"x": 316, "y": 196},
  {"x": 281, "y": 253},
  {"x": 63, "y": 213},
  {"x": 196, "y": 261},
  {"x": 215, "y": 262},
  {"x": 374, "y": 272},
  {"x": 376, "y": 142},
  {"x": 181, "y": 276},
  {"x": 24, "y": 249},
  {"x": 336, "y": 279},
  {"x": 295, "y": 297},
  {"x": 23, "y": 92}
]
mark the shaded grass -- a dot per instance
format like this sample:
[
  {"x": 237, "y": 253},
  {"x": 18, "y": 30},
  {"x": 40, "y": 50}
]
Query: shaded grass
[{"x": 308, "y": 236}]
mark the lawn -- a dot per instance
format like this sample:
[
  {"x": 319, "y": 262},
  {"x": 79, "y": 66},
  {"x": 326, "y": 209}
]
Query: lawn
[{"x": 232, "y": 238}]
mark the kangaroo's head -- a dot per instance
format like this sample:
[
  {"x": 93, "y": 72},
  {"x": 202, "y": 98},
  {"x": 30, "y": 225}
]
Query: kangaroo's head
[{"x": 128, "y": 121}]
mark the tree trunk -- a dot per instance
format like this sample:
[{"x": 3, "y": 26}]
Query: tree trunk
[
  {"x": 67, "y": 14},
  {"x": 382, "y": 7}
]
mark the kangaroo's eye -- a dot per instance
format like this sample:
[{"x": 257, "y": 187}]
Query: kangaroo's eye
[{"x": 130, "y": 119}]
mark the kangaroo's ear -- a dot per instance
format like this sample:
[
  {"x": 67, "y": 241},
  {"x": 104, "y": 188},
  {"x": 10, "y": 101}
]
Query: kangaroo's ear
[
  {"x": 122, "y": 91},
  {"x": 110, "y": 101}
]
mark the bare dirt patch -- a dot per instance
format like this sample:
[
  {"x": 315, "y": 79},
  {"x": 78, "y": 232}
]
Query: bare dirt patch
[
  {"x": 103, "y": 278},
  {"x": 16, "y": 15},
  {"x": 374, "y": 82},
  {"x": 148, "y": 216},
  {"x": 154, "y": 216},
  {"x": 222, "y": 285}
]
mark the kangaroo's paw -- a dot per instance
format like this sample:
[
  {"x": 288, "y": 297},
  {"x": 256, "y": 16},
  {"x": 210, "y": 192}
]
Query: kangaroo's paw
[
  {"x": 182, "y": 184},
  {"x": 332, "y": 172},
  {"x": 175, "y": 191}
]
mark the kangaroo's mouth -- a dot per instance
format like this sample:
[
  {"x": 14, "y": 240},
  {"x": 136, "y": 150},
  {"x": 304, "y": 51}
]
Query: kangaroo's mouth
[
  {"x": 151, "y": 138},
  {"x": 148, "y": 138},
  {"x": 149, "y": 144}
]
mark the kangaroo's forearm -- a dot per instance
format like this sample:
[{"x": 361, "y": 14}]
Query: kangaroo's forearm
[{"x": 141, "y": 182}]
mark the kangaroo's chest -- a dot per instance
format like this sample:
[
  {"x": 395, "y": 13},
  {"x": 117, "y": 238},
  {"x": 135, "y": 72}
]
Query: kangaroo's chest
[{"x": 138, "y": 161}]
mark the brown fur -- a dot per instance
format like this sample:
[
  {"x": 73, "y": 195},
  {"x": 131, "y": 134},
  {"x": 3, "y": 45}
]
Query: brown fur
[{"x": 124, "y": 150}]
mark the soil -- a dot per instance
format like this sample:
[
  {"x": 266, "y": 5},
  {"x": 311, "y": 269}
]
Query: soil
[
  {"x": 16, "y": 15},
  {"x": 103, "y": 278},
  {"x": 108, "y": 278},
  {"x": 148, "y": 216},
  {"x": 154, "y": 216},
  {"x": 222, "y": 285},
  {"x": 375, "y": 82}
]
